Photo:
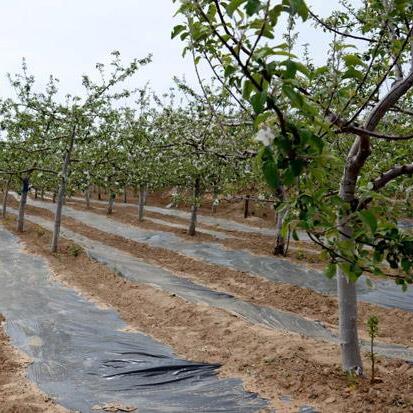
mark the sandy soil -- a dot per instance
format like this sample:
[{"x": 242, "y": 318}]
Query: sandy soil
[
  {"x": 395, "y": 325},
  {"x": 270, "y": 362},
  {"x": 299, "y": 251},
  {"x": 260, "y": 214},
  {"x": 17, "y": 393}
]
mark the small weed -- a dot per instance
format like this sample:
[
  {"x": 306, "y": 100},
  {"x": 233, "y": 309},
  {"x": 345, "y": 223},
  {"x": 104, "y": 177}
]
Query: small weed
[
  {"x": 74, "y": 250},
  {"x": 373, "y": 330},
  {"x": 40, "y": 232},
  {"x": 352, "y": 379}
]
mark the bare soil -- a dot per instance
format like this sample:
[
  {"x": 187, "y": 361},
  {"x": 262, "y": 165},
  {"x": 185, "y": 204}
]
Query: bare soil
[
  {"x": 299, "y": 251},
  {"x": 17, "y": 393},
  {"x": 274, "y": 364},
  {"x": 395, "y": 324}
]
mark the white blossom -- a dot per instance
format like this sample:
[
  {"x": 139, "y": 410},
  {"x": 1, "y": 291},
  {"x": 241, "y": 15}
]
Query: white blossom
[{"x": 265, "y": 135}]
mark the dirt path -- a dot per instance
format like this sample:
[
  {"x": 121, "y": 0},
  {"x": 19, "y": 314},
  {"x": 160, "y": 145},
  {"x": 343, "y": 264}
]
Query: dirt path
[{"x": 275, "y": 364}]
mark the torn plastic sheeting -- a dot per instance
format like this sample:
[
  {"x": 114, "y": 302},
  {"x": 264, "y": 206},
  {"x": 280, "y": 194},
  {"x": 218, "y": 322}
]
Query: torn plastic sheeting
[
  {"x": 139, "y": 271},
  {"x": 385, "y": 293},
  {"x": 81, "y": 356}
]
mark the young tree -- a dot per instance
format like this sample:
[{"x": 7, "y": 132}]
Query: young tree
[{"x": 314, "y": 120}]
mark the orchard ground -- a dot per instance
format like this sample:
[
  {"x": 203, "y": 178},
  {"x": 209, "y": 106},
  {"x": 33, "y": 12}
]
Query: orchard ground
[{"x": 275, "y": 364}]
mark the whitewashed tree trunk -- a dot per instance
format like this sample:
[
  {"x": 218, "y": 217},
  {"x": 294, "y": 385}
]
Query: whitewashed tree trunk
[
  {"x": 194, "y": 208},
  {"x": 22, "y": 205},
  {"x": 346, "y": 289},
  {"x": 141, "y": 202},
  {"x": 349, "y": 342},
  {"x": 110, "y": 203},
  {"x": 5, "y": 196}
]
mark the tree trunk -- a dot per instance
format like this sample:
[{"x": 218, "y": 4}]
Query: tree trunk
[
  {"x": 42, "y": 195},
  {"x": 110, "y": 203},
  {"x": 279, "y": 243},
  {"x": 99, "y": 194},
  {"x": 22, "y": 205},
  {"x": 125, "y": 196},
  {"x": 54, "y": 197},
  {"x": 246, "y": 206},
  {"x": 141, "y": 202},
  {"x": 346, "y": 289},
  {"x": 5, "y": 196},
  {"x": 87, "y": 197},
  {"x": 35, "y": 193},
  {"x": 62, "y": 193},
  {"x": 194, "y": 208},
  {"x": 349, "y": 342}
]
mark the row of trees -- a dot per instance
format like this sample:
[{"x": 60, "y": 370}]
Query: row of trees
[{"x": 117, "y": 139}]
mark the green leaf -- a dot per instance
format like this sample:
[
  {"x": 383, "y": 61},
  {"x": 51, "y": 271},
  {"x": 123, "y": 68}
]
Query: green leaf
[
  {"x": 295, "y": 98},
  {"x": 269, "y": 168},
  {"x": 290, "y": 70},
  {"x": 261, "y": 118},
  {"x": 233, "y": 5},
  {"x": 252, "y": 7},
  {"x": 353, "y": 60},
  {"x": 352, "y": 73},
  {"x": 406, "y": 264},
  {"x": 229, "y": 70},
  {"x": 369, "y": 220},
  {"x": 177, "y": 29},
  {"x": 258, "y": 102},
  {"x": 331, "y": 270},
  {"x": 299, "y": 7},
  {"x": 247, "y": 89}
]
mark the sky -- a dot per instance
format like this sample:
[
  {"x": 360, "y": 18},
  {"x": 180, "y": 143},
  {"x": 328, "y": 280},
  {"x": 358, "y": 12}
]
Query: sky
[{"x": 67, "y": 38}]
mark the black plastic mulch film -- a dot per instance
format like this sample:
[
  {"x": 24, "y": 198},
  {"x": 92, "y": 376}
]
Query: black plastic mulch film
[{"x": 81, "y": 356}]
